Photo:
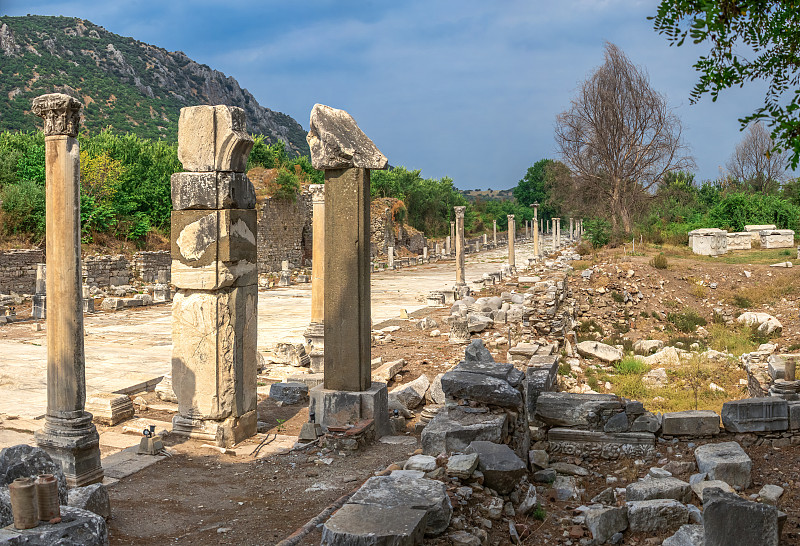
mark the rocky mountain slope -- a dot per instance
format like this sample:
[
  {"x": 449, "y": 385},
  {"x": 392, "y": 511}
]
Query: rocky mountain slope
[{"x": 123, "y": 83}]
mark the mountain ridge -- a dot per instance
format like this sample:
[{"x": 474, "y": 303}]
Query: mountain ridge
[{"x": 122, "y": 82}]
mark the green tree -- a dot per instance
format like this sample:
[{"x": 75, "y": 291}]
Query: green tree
[
  {"x": 748, "y": 40},
  {"x": 535, "y": 187}
]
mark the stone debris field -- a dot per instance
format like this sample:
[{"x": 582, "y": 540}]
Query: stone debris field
[{"x": 520, "y": 390}]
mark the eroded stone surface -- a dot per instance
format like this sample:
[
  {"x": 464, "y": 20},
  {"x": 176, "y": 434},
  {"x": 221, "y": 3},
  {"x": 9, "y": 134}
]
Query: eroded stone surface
[
  {"x": 336, "y": 142},
  {"x": 726, "y": 461}
]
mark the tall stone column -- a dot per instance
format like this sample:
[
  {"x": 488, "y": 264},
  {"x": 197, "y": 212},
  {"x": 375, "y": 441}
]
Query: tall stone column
[
  {"x": 494, "y": 232},
  {"x": 447, "y": 245},
  {"x": 68, "y": 435},
  {"x": 215, "y": 309},
  {"x": 571, "y": 229},
  {"x": 460, "y": 254},
  {"x": 535, "y": 229},
  {"x": 390, "y": 256},
  {"x": 452, "y": 237},
  {"x": 557, "y": 231},
  {"x": 347, "y": 155},
  {"x": 315, "y": 333},
  {"x": 512, "y": 233}
]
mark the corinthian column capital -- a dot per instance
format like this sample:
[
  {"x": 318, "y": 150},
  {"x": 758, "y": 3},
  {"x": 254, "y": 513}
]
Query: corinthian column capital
[{"x": 61, "y": 114}]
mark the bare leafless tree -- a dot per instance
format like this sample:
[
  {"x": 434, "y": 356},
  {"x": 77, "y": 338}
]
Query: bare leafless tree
[
  {"x": 619, "y": 138},
  {"x": 755, "y": 162}
]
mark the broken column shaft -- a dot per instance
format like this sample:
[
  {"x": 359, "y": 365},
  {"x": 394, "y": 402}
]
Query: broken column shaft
[
  {"x": 315, "y": 333},
  {"x": 68, "y": 434},
  {"x": 346, "y": 155},
  {"x": 512, "y": 233},
  {"x": 460, "y": 250},
  {"x": 215, "y": 309}
]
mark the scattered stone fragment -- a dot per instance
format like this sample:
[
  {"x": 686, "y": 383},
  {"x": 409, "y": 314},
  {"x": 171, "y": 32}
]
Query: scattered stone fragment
[
  {"x": 462, "y": 465},
  {"x": 420, "y": 494},
  {"x": 770, "y": 494},
  {"x": 600, "y": 351},
  {"x": 93, "y": 498},
  {"x": 565, "y": 488},
  {"x": 659, "y": 488},
  {"x": 411, "y": 394},
  {"x": 569, "y": 469},
  {"x": 548, "y": 475},
  {"x": 656, "y": 516},
  {"x": 289, "y": 393},
  {"x": 538, "y": 458},
  {"x": 726, "y": 461},
  {"x": 700, "y": 487},
  {"x": 604, "y": 522},
  {"x": 606, "y": 496},
  {"x": 501, "y": 467},
  {"x": 373, "y": 524},
  {"x": 765, "y": 323},
  {"x": 463, "y": 538},
  {"x": 686, "y": 535},
  {"x": 423, "y": 463},
  {"x": 529, "y": 502},
  {"x": 646, "y": 423},
  {"x": 729, "y": 519},
  {"x": 647, "y": 346},
  {"x": 617, "y": 423}
]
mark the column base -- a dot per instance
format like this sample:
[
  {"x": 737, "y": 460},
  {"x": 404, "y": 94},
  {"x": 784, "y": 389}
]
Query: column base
[
  {"x": 225, "y": 432},
  {"x": 315, "y": 337},
  {"x": 74, "y": 444},
  {"x": 341, "y": 408}
]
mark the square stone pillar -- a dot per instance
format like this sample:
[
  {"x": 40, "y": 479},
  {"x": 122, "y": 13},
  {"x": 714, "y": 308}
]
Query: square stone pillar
[
  {"x": 535, "y": 230},
  {"x": 68, "y": 436},
  {"x": 390, "y": 256},
  {"x": 347, "y": 155},
  {"x": 460, "y": 257},
  {"x": 215, "y": 308},
  {"x": 447, "y": 245},
  {"x": 512, "y": 233},
  {"x": 315, "y": 333},
  {"x": 494, "y": 232}
]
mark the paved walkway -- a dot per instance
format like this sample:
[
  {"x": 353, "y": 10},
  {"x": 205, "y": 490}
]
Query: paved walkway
[{"x": 126, "y": 349}]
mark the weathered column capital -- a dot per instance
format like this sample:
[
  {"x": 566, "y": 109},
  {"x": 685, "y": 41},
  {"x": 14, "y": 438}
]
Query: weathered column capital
[
  {"x": 510, "y": 216},
  {"x": 460, "y": 211},
  {"x": 336, "y": 142},
  {"x": 317, "y": 193},
  {"x": 61, "y": 114}
]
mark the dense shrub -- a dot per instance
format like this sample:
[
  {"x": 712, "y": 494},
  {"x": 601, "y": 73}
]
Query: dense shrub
[{"x": 598, "y": 231}]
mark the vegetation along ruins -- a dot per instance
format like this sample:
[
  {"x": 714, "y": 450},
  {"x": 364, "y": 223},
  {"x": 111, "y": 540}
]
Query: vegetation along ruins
[{"x": 517, "y": 273}]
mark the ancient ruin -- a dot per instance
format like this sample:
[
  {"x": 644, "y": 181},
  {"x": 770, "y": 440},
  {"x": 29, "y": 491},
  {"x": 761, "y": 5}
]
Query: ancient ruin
[
  {"x": 214, "y": 312},
  {"x": 68, "y": 436}
]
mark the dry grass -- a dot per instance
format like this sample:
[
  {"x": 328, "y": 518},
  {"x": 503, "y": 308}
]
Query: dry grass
[
  {"x": 734, "y": 340},
  {"x": 770, "y": 292}
]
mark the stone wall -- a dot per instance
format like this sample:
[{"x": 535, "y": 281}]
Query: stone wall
[
  {"x": 106, "y": 270},
  {"x": 149, "y": 266},
  {"x": 284, "y": 233},
  {"x": 18, "y": 270}
]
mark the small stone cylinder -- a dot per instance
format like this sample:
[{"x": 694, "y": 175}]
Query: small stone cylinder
[
  {"x": 47, "y": 497},
  {"x": 23, "y": 503}
]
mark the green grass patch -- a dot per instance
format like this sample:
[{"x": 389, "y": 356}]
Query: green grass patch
[
  {"x": 734, "y": 340},
  {"x": 687, "y": 321},
  {"x": 742, "y": 302},
  {"x": 588, "y": 326},
  {"x": 631, "y": 365},
  {"x": 617, "y": 297}
]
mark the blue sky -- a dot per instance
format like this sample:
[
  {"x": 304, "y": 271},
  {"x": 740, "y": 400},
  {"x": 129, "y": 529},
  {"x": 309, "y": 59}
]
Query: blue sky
[{"x": 461, "y": 88}]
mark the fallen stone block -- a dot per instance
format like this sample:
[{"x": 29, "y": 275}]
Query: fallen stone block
[
  {"x": 462, "y": 466},
  {"x": 764, "y": 322},
  {"x": 411, "y": 394},
  {"x": 93, "y": 498},
  {"x": 453, "y": 429},
  {"x": 386, "y": 372},
  {"x": 769, "y": 494},
  {"x": 646, "y": 423},
  {"x": 24, "y": 461},
  {"x": 700, "y": 487},
  {"x": 540, "y": 376},
  {"x": 419, "y": 494},
  {"x": 423, "y": 463},
  {"x": 656, "y": 516},
  {"x": 165, "y": 391},
  {"x": 565, "y": 488},
  {"x": 692, "y": 422},
  {"x": 600, "y": 351},
  {"x": 604, "y": 522},
  {"x": 755, "y": 415},
  {"x": 729, "y": 519},
  {"x": 726, "y": 461},
  {"x": 368, "y": 524},
  {"x": 109, "y": 408},
  {"x": 480, "y": 388},
  {"x": 563, "y": 409},
  {"x": 659, "y": 488},
  {"x": 501, "y": 467},
  {"x": 687, "y": 535},
  {"x": 288, "y": 393},
  {"x": 76, "y": 527},
  {"x": 647, "y": 346}
]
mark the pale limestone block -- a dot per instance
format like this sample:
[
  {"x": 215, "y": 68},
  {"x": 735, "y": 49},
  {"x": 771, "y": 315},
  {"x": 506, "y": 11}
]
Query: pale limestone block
[
  {"x": 213, "y": 138},
  {"x": 214, "y": 356}
]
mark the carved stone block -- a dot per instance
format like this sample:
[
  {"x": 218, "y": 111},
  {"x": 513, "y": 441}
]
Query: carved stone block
[{"x": 213, "y": 138}]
